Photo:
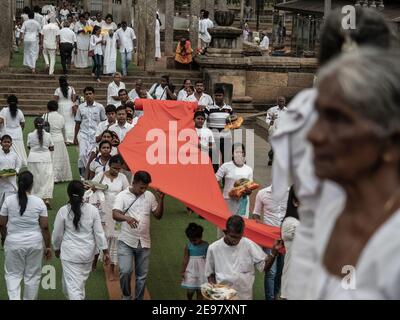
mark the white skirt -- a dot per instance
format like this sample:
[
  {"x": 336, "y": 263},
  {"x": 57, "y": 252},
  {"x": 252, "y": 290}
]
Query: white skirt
[
  {"x": 31, "y": 53},
  {"x": 81, "y": 59},
  {"x": 74, "y": 279},
  {"x": 65, "y": 109},
  {"x": 19, "y": 149},
  {"x": 43, "y": 179},
  {"x": 195, "y": 273},
  {"x": 61, "y": 164}
]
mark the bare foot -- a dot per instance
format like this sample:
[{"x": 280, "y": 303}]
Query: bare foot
[{"x": 98, "y": 80}]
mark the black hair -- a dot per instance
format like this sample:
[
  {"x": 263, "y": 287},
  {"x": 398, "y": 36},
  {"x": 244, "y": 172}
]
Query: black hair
[
  {"x": 166, "y": 78},
  {"x": 31, "y": 15},
  {"x": 39, "y": 125},
  {"x": 183, "y": 84},
  {"x": 102, "y": 143},
  {"x": 25, "y": 182},
  {"x": 12, "y": 102},
  {"x": 95, "y": 29},
  {"x": 52, "y": 105},
  {"x": 199, "y": 113},
  {"x": 121, "y": 108},
  {"x": 110, "y": 108},
  {"x": 199, "y": 81},
  {"x": 123, "y": 23},
  {"x": 194, "y": 231},
  {"x": 107, "y": 131},
  {"x": 36, "y": 9},
  {"x": 142, "y": 176},
  {"x": 75, "y": 192},
  {"x": 109, "y": 16},
  {"x": 82, "y": 15},
  {"x": 158, "y": 18},
  {"x": 219, "y": 90},
  {"x": 70, "y": 15},
  {"x": 6, "y": 136},
  {"x": 235, "y": 224},
  {"x": 291, "y": 209},
  {"x": 130, "y": 104},
  {"x": 238, "y": 145},
  {"x": 122, "y": 90},
  {"x": 116, "y": 159},
  {"x": 371, "y": 29},
  {"x": 26, "y": 10},
  {"x": 88, "y": 89},
  {"x": 206, "y": 14}
]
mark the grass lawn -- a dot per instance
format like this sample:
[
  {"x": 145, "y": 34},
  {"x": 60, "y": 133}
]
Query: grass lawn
[{"x": 168, "y": 241}]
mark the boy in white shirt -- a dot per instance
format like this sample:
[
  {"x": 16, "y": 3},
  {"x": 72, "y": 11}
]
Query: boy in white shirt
[
  {"x": 122, "y": 127},
  {"x": 206, "y": 138}
]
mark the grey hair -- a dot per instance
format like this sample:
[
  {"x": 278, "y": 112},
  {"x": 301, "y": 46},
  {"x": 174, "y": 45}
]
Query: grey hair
[
  {"x": 369, "y": 80},
  {"x": 117, "y": 74}
]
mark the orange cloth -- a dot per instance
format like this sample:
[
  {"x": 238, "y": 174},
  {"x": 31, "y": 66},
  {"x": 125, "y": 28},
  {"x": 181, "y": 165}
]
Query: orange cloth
[
  {"x": 193, "y": 184},
  {"x": 184, "y": 55}
]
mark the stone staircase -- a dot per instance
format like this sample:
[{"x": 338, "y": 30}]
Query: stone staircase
[{"x": 34, "y": 91}]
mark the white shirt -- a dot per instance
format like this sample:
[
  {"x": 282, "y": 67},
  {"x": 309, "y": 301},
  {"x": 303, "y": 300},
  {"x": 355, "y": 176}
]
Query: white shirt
[
  {"x": 272, "y": 211},
  {"x": 57, "y": 125},
  {"x": 78, "y": 246},
  {"x": 276, "y": 114},
  {"x": 50, "y": 33},
  {"x": 39, "y": 153},
  {"x": 98, "y": 167},
  {"x": 112, "y": 91},
  {"x": 126, "y": 39},
  {"x": 235, "y": 264},
  {"x": 204, "y": 25},
  {"x": 23, "y": 230},
  {"x": 64, "y": 13},
  {"x": 265, "y": 43},
  {"x": 205, "y": 99},
  {"x": 9, "y": 160},
  {"x": 133, "y": 95},
  {"x": 67, "y": 36},
  {"x": 31, "y": 29},
  {"x": 232, "y": 173},
  {"x": 82, "y": 39},
  {"x": 96, "y": 43},
  {"x": 182, "y": 95},
  {"x": 97, "y": 23},
  {"x": 89, "y": 117},
  {"x": 205, "y": 137},
  {"x": 121, "y": 131},
  {"x": 144, "y": 205},
  {"x": 12, "y": 125},
  {"x": 102, "y": 126},
  {"x": 39, "y": 19},
  {"x": 105, "y": 26}
]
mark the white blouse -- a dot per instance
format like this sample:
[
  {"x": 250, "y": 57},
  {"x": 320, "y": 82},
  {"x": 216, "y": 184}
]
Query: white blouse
[
  {"x": 95, "y": 44},
  {"x": 39, "y": 153},
  {"x": 12, "y": 126},
  {"x": 57, "y": 125},
  {"x": 232, "y": 173}
]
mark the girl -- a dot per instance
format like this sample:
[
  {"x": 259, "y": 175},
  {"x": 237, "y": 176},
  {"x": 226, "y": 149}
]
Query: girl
[
  {"x": 40, "y": 144},
  {"x": 76, "y": 235},
  {"x": 100, "y": 163},
  {"x": 60, "y": 159},
  {"x": 96, "y": 42},
  {"x": 182, "y": 94},
  {"x": 8, "y": 160},
  {"x": 66, "y": 97},
  {"x": 107, "y": 135},
  {"x": 24, "y": 231},
  {"x": 194, "y": 260},
  {"x": 13, "y": 122},
  {"x": 116, "y": 182}
]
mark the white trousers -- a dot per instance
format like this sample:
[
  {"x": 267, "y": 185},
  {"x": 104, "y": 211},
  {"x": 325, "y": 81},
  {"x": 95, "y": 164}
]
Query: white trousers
[
  {"x": 23, "y": 263},
  {"x": 74, "y": 279},
  {"x": 50, "y": 61}
]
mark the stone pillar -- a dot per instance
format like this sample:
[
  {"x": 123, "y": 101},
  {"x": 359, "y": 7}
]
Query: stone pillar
[
  {"x": 222, "y": 5},
  {"x": 27, "y": 3},
  {"x": 6, "y": 33},
  {"x": 151, "y": 9},
  {"x": 241, "y": 12},
  {"x": 210, "y": 7},
  {"x": 86, "y": 5},
  {"x": 327, "y": 7},
  {"x": 141, "y": 31},
  {"x": 194, "y": 23},
  {"x": 169, "y": 27}
]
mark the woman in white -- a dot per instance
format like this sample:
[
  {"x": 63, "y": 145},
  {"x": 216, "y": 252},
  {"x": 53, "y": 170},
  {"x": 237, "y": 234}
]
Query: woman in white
[
  {"x": 30, "y": 34},
  {"x": 96, "y": 42},
  {"x": 60, "y": 156},
  {"x": 157, "y": 38},
  {"x": 183, "y": 93},
  {"x": 100, "y": 164},
  {"x": 66, "y": 97},
  {"x": 76, "y": 236},
  {"x": 116, "y": 182},
  {"x": 108, "y": 28},
  {"x": 12, "y": 121},
  {"x": 8, "y": 160},
  {"x": 25, "y": 233},
  {"x": 288, "y": 230},
  {"x": 40, "y": 144},
  {"x": 81, "y": 59},
  {"x": 233, "y": 171}
]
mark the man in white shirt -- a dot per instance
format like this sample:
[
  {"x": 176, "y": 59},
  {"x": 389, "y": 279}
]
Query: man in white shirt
[
  {"x": 203, "y": 99},
  {"x": 37, "y": 16},
  {"x": 30, "y": 34},
  {"x": 99, "y": 20},
  {"x": 272, "y": 212},
  {"x": 67, "y": 45},
  {"x": 50, "y": 36},
  {"x": 126, "y": 43},
  {"x": 206, "y": 138},
  {"x": 113, "y": 89},
  {"x": 132, "y": 207},
  {"x": 204, "y": 25},
  {"x": 135, "y": 92},
  {"x": 273, "y": 117},
  {"x": 264, "y": 45},
  {"x": 88, "y": 116},
  {"x": 111, "y": 114},
  {"x": 122, "y": 127},
  {"x": 233, "y": 259},
  {"x": 64, "y": 12}
]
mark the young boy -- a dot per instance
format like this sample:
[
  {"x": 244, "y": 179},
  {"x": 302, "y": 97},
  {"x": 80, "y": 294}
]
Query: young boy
[
  {"x": 111, "y": 114},
  {"x": 206, "y": 138},
  {"x": 8, "y": 160}
]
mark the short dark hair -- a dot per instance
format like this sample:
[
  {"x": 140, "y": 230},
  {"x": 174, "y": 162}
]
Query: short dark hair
[
  {"x": 121, "y": 108},
  {"x": 103, "y": 143},
  {"x": 95, "y": 29},
  {"x": 142, "y": 176},
  {"x": 109, "y": 16},
  {"x": 111, "y": 108},
  {"x": 31, "y": 15},
  {"x": 235, "y": 224},
  {"x": 194, "y": 231},
  {"x": 88, "y": 89},
  {"x": 219, "y": 90},
  {"x": 199, "y": 81},
  {"x": 122, "y": 90},
  {"x": 166, "y": 77},
  {"x": 199, "y": 113},
  {"x": 238, "y": 145},
  {"x": 130, "y": 104},
  {"x": 6, "y": 136},
  {"x": 124, "y": 23},
  {"x": 116, "y": 159},
  {"x": 52, "y": 105}
]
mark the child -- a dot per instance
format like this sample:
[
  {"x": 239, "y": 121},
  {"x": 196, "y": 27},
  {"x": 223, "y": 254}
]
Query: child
[
  {"x": 8, "y": 160},
  {"x": 206, "y": 138},
  {"x": 193, "y": 269},
  {"x": 17, "y": 34}
]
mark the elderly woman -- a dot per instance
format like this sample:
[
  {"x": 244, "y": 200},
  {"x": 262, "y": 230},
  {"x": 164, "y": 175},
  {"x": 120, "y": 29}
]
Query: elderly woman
[{"x": 356, "y": 144}]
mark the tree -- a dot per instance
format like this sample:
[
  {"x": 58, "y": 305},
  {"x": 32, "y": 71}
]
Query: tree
[{"x": 6, "y": 33}]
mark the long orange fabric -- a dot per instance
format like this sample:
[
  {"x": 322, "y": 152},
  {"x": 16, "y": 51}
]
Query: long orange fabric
[{"x": 165, "y": 144}]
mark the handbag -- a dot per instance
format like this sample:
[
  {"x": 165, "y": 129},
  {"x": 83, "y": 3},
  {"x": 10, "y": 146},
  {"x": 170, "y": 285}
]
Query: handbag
[
  {"x": 46, "y": 123},
  {"x": 91, "y": 53}
]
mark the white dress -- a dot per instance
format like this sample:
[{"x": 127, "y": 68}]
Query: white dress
[
  {"x": 157, "y": 39},
  {"x": 195, "y": 270},
  {"x": 110, "y": 55},
  {"x": 8, "y": 185},
  {"x": 65, "y": 109},
  {"x": 12, "y": 127},
  {"x": 119, "y": 184},
  {"x": 60, "y": 156},
  {"x": 40, "y": 165},
  {"x": 82, "y": 41}
]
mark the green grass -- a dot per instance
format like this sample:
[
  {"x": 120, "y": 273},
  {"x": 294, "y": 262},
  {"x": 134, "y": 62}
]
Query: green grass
[{"x": 168, "y": 241}]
